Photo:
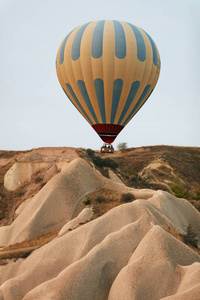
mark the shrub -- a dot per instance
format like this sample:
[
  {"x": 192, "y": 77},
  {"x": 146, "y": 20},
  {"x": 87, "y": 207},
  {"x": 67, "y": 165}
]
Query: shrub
[
  {"x": 90, "y": 153},
  {"x": 38, "y": 179},
  {"x": 20, "y": 193},
  {"x": 122, "y": 146},
  {"x": 128, "y": 197},
  {"x": 98, "y": 161},
  {"x": 136, "y": 178},
  {"x": 107, "y": 162},
  {"x": 100, "y": 199},
  {"x": 191, "y": 237},
  {"x": 1, "y": 213},
  {"x": 197, "y": 196},
  {"x": 87, "y": 202},
  {"x": 2, "y": 195}
]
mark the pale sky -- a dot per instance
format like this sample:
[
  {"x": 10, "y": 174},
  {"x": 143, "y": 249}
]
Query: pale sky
[{"x": 35, "y": 112}]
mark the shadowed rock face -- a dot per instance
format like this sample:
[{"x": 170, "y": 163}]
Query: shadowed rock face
[{"x": 124, "y": 254}]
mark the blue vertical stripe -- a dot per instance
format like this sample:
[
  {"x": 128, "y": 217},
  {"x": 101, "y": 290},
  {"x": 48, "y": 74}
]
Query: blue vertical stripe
[
  {"x": 76, "y": 100},
  {"x": 99, "y": 87},
  {"x": 62, "y": 49},
  {"x": 97, "y": 40},
  {"x": 84, "y": 93},
  {"x": 155, "y": 56},
  {"x": 120, "y": 40},
  {"x": 131, "y": 96},
  {"x": 145, "y": 100},
  {"x": 141, "y": 48},
  {"x": 76, "y": 45},
  {"x": 138, "y": 103},
  {"x": 117, "y": 89}
]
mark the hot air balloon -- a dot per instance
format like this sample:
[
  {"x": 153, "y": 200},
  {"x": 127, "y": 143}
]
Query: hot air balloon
[{"x": 108, "y": 69}]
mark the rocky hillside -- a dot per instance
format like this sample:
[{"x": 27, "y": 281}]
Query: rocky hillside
[
  {"x": 169, "y": 168},
  {"x": 77, "y": 224}
]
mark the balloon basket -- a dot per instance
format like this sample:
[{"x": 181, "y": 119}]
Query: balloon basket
[{"x": 107, "y": 148}]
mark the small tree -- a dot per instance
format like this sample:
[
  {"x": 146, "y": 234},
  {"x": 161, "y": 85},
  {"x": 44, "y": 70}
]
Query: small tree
[{"x": 122, "y": 146}]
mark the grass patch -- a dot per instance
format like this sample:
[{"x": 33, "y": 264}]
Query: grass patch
[{"x": 179, "y": 190}]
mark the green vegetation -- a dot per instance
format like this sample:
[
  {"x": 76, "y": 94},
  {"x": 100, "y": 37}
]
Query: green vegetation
[
  {"x": 122, "y": 146},
  {"x": 133, "y": 179},
  {"x": 100, "y": 162},
  {"x": 101, "y": 199},
  {"x": 179, "y": 190},
  {"x": 20, "y": 193},
  {"x": 191, "y": 237},
  {"x": 87, "y": 202},
  {"x": 197, "y": 195},
  {"x": 107, "y": 162},
  {"x": 90, "y": 153},
  {"x": 1, "y": 213},
  {"x": 38, "y": 179},
  {"x": 138, "y": 178},
  {"x": 128, "y": 197}
]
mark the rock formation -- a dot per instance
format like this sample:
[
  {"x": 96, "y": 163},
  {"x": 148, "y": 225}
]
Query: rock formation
[{"x": 123, "y": 254}]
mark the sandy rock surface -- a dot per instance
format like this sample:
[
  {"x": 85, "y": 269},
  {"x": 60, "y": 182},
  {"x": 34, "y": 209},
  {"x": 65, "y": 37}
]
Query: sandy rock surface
[
  {"x": 84, "y": 216},
  {"x": 124, "y": 254},
  {"x": 54, "y": 204},
  {"x": 32, "y": 162},
  {"x": 22, "y": 172}
]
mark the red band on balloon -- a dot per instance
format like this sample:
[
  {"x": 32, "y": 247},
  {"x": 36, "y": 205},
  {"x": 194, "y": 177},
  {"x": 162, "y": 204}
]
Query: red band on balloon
[{"x": 107, "y": 132}]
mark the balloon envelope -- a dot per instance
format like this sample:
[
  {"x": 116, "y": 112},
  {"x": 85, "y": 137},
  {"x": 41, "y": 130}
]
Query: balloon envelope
[{"x": 108, "y": 69}]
